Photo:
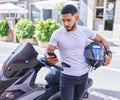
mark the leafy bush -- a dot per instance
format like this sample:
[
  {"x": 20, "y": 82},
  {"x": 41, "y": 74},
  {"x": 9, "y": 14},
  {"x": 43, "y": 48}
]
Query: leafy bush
[
  {"x": 24, "y": 29},
  {"x": 3, "y": 28},
  {"x": 45, "y": 28}
]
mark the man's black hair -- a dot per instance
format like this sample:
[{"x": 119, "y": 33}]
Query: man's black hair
[{"x": 69, "y": 9}]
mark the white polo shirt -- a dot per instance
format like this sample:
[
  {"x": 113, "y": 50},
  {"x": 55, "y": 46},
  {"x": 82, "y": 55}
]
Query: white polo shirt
[{"x": 71, "y": 47}]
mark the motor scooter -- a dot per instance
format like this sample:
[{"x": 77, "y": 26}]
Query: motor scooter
[{"x": 19, "y": 72}]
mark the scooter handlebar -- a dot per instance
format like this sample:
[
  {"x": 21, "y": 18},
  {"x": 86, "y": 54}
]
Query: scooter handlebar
[
  {"x": 58, "y": 67},
  {"x": 46, "y": 63}
]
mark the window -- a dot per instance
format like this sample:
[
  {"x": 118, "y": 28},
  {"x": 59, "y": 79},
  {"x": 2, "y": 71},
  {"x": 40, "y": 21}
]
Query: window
[
  {"x": 99, "y": 13},
  {"x": 35, "y": 13},
  {"x": 109, "y": 14},
  {"x": 111, "y": 0},
  {"x": 47, "y": 13},
  {"x": 100, "y": 2},
  {"x": 99, "y": 9}
]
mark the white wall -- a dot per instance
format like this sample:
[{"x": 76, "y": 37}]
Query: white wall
[
  {"x": 116, "y": 28},
  {"x": 87, "y": 10}
]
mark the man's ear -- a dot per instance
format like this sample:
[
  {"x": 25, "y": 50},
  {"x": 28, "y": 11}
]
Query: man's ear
[{"x": 77, "y": 17}]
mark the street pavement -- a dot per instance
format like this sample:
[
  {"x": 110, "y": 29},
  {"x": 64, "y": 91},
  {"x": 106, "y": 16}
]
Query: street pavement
[{"x": 106, "y": 80}]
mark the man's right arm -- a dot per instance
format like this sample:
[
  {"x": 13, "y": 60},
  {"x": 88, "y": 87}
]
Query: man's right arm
[{"x": 50, "y": 59}]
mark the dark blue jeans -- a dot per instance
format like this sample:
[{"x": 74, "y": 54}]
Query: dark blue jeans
[{"x": 72, "y": 87}]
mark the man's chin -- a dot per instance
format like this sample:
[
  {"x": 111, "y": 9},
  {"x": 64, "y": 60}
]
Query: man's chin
[{"x": 68, "y": 30}]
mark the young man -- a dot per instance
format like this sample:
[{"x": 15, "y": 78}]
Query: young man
[{"x": 71, "y": 40}]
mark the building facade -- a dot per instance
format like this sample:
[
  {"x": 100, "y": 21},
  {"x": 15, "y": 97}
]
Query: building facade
[
  {"x": 103, "y": 16},
  {"x": 47, "y": 9}
]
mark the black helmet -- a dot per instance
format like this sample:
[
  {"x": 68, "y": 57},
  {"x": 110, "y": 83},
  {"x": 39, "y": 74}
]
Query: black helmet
[{"x": 95, "y": 54}]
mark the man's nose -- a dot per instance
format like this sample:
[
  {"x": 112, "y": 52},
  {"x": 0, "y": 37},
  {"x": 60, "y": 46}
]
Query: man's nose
[{"x": 65, "y": 23}]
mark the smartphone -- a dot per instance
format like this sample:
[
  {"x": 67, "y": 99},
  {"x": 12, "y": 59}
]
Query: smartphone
[{"x": 52, "y": 54}]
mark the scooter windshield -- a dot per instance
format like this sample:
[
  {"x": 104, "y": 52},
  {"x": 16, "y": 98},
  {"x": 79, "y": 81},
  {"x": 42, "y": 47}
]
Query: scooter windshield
[{"x": 96, "y": 54}]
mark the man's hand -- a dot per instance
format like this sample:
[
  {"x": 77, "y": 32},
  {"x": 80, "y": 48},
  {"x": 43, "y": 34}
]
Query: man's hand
[
  {"x": 107, "y": 60},
  {"x": 51, "y": 59}
]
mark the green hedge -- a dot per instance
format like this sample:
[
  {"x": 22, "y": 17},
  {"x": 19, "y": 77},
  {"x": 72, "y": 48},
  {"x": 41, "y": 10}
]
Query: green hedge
[
  {"x": 3, "y": 28},
  {"x": 45, "y": 28},
  {"x": 24, "y": 29}
]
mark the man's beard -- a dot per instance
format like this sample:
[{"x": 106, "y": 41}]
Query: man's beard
[{"x": 71, "y": 27}]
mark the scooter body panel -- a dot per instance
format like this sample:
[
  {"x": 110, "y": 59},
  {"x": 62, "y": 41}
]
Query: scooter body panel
[{"x": 32, "y": 93}]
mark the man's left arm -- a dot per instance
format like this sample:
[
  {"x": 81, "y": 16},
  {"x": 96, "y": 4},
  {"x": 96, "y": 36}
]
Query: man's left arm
[{"x": 108, "y": 58}]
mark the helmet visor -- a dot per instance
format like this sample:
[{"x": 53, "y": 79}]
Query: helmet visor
[{"x": 95, "y": 54}]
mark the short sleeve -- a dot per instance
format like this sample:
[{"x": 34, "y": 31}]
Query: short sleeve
[
  {"x": 90, "y": 33},
  {"x": 53, "y": 39}
]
